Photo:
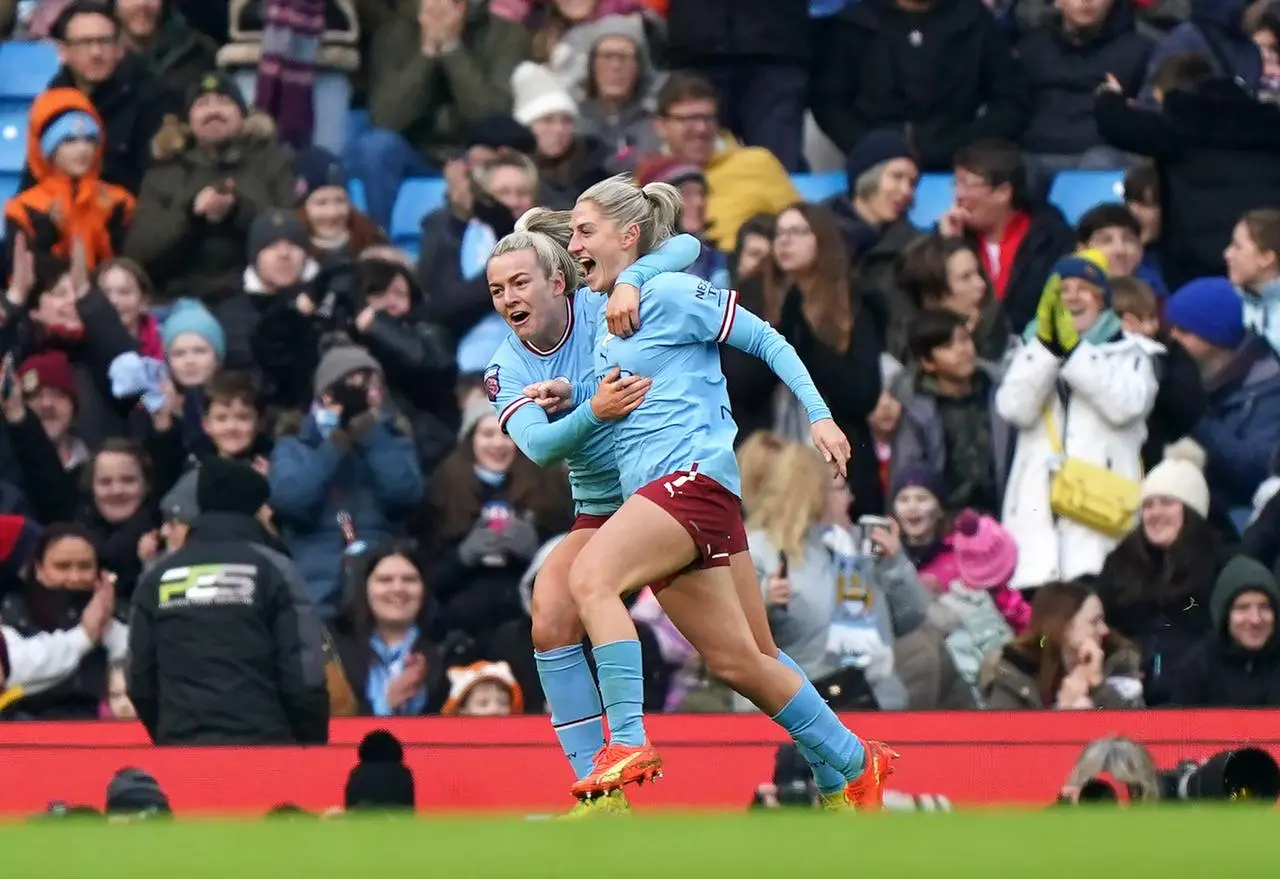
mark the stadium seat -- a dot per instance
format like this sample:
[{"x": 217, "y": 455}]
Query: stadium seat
[
  {"x": 820, "y": 187},
  {"x": 13, "y": 142},
  {"x": 25, "y": 70},
  {"x": 358, "y": 122},
  {"x": 8, "y": 189},
  {"x": 934, "y": 196},
  {"x": 355, "y": 191},
  {"x": 1074, "y": 192},
  {"x": 418, "y": 197}
]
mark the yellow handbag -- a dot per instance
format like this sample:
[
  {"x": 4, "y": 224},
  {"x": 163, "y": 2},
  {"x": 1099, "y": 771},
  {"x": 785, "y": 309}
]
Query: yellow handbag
[{"x": 1093, "y": 496}]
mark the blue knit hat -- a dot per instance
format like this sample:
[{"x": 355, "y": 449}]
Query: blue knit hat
[
  {"x": 190, "y": 316},
  {"x": 68, "y": 126},
  {"x": 875, "y": 148},
  {"x": 1209, "y": 308}
]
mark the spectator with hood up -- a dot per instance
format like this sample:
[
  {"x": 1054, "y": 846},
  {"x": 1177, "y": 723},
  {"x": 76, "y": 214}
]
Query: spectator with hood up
[
  {"x": 212, "y": 173},
  {"x": 228, "y": 601},
  {"x": 345, "y": 471},
  {"x": 616, "y": 106},
  {"x": 68, "y": 206},
  {"x": 130, "y": 102},
  {"x": 1237, "y": 664}
]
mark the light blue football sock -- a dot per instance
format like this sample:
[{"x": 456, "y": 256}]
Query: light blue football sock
[
  {"x": 576, "y": 715},
  {"x": 618, "y": 667},
  {"x": 829, "y": 779},
  {"x": 811, "y": 722}
]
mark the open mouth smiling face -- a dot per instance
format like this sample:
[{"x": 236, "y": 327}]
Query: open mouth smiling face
[{"x": 588, "y": 267}]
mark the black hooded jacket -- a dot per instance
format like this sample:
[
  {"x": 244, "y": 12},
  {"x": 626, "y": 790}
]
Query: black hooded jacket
[
  {"x": 1218, "y": 672},
  {"x": 224, "y": 646}
]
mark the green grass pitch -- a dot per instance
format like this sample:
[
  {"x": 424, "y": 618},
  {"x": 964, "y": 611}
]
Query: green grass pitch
[{"x": 1074, "y": 844}]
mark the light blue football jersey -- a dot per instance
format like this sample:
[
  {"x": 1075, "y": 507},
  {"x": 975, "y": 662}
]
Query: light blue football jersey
[
  {"x": 580, "y": 439},
  {"x": 685, "y": 422}
]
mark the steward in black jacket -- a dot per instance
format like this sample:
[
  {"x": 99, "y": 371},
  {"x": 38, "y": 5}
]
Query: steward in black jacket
[{"x": 224, "y": 647}]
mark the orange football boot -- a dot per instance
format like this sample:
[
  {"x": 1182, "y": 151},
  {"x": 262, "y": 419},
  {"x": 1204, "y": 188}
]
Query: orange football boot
[
  {"x": 866, "y": 792},
  {"x": 619, "y": 765}
]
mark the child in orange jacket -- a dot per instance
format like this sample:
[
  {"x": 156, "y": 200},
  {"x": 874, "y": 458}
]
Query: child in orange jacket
[{"x": 69, "y": 201}]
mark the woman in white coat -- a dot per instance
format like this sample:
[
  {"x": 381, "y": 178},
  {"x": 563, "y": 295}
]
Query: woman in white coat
[{"x": 1099, "y": 383}]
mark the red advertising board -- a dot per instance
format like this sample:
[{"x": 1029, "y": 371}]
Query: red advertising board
[{"x": 712, "y": 761}]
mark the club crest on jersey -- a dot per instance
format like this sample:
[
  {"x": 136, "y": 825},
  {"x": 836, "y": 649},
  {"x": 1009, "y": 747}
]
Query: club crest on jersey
[{"x": 491, "y": 383}]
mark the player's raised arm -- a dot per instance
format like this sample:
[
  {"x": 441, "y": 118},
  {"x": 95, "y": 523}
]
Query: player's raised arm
[{"x": 709, "y": 314}]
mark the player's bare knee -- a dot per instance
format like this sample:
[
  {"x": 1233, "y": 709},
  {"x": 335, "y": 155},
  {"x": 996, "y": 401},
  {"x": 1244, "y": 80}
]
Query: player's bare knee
[
  {"x": 555, "y": 624},
  {"x": 585, "y": 580},
  {"x": 735, "y": 668}
]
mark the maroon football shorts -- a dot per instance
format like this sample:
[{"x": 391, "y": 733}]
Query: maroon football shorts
[{"x": 708, "y": 511}]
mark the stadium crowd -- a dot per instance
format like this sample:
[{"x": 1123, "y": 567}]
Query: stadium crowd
[{"x": 1061, "y": 494}]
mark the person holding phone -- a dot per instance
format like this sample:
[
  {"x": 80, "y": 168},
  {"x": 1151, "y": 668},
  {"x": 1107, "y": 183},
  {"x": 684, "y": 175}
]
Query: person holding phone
[
  {"x": 493, "y": 509},
  {"x": 838, "y": 593},
  {"x": 344, "y": 474}
]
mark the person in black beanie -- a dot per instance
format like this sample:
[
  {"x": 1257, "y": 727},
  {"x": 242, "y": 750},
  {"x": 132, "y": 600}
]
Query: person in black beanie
[
  {"x": 225, "y": 648},
  {"x": 380, "y": 780},
  {"x": 212, "y": 171}
]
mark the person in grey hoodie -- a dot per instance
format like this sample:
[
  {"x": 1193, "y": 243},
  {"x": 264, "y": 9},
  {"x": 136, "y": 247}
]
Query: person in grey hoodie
[
  {"x": 831, "y": 602},
  {"x": 617, "y": 84}
]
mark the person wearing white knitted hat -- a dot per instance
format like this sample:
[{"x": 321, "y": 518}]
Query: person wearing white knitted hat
[
  {"x": 538, "y": 94},
  {"x": 567, "y": 162},
  {"x": 1179, "y": 476}
]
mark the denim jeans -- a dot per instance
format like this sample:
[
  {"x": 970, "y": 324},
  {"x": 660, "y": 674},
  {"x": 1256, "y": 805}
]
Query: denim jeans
[
  {"x": 382, "y": 160},
  {"x": 331, "y": 102}
]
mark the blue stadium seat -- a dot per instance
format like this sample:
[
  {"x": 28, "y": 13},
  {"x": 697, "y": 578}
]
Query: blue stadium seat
[
  {"x": 820, "y": 187},
  {"x": 25, "y": 70},
  {"x": 935, "y": 194},
  {"x": 418, "y": 197},
  {"x": 8, "y": 189},
  {"x": 1074, "y": 192},
  {"x": 358, "y": 122},
  {"x": 13, "y": 142},
  {"x": 355, "y": 191}
]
